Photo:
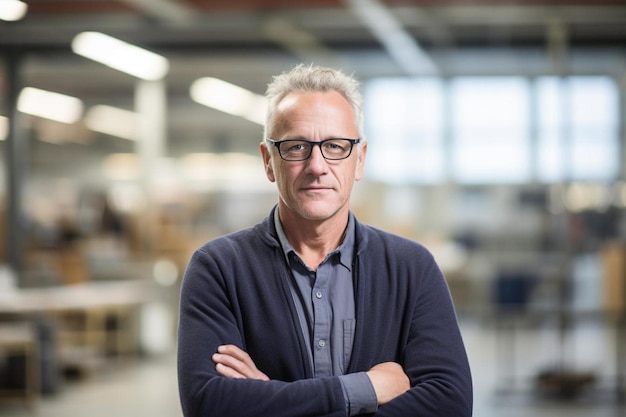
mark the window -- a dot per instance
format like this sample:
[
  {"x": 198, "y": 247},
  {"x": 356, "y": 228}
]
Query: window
[
  {"x": 483, "y": 130},
  {"x": 404, "y": 120},
  {"x": 577, "y": 128},
  {"x": 490, "y": 129}
]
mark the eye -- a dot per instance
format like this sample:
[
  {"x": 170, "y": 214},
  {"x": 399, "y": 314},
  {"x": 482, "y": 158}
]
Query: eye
[
  {"x": 296, "y": 147},
  {"x": 335, "y": 145}
]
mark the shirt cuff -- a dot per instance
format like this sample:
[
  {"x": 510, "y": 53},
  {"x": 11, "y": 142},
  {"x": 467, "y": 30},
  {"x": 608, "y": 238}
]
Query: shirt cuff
[{"x": 359, "y": 394}]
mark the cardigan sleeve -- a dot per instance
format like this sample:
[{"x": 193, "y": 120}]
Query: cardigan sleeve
[
  {"x": 433, "y": 355},
  {"x": 207, "y": 319}
]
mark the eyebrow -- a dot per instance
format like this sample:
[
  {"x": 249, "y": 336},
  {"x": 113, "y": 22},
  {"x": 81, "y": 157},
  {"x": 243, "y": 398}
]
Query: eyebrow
[{"x": 296, "y": 137}]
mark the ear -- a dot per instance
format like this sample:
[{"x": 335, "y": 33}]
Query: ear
[
  {"x": 267, "y": 161},
  {"x": 360, "y": 163}
]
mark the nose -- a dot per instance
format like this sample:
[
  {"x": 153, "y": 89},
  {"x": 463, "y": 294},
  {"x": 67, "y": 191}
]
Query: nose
[{"x": 316, "y": 164}]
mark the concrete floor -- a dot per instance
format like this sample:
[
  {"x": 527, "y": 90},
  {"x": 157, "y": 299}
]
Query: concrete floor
[{"x": 147, "y": 387}]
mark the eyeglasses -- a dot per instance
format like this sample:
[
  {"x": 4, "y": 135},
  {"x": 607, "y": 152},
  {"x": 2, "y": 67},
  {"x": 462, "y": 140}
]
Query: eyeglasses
[{"x": 299, "y": 150}]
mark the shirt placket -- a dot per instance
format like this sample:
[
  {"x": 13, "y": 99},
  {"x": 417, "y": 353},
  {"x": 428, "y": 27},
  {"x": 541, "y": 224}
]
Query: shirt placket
[{"x": 322, "y": 357}]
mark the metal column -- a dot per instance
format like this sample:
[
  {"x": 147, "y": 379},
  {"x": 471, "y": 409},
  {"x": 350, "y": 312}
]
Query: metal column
[{"x": 15, "y": 161}]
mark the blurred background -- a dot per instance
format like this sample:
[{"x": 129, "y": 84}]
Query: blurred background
[{"x": 129, "y": 135}]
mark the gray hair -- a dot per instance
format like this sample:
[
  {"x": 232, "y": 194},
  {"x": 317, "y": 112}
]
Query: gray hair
[{"x": 307, "y": 78}]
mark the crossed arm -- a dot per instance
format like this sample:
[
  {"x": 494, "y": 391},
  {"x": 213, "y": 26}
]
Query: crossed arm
[{"x": 388, "y": 379}]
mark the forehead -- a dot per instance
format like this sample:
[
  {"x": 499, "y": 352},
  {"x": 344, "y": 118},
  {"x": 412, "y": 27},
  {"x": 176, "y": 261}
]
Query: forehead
[
  {"x": 314, "y": 109},
  {"x": 295, "y": 99}
]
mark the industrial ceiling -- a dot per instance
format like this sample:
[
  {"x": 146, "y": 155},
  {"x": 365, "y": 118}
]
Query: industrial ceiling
[{"x": 245, "y": 42}]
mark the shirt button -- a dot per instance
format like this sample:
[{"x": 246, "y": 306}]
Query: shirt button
[
  {"x": 318, "y": 294},
  {"x": 321, "y": 343}
]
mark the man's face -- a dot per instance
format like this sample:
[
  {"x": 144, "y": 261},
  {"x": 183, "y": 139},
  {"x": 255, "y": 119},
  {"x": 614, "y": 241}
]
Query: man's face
[{"x": 314, "y": 189}]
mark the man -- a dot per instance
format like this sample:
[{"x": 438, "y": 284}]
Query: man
[{"x": 310, "y": 312}]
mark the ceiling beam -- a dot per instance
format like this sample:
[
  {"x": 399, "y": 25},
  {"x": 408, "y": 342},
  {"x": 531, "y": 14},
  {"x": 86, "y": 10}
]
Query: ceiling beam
[
  {"x": 402, "y": 47},
  {"x": 301, "y": 43},
  {"x": 171, "y": 12}
]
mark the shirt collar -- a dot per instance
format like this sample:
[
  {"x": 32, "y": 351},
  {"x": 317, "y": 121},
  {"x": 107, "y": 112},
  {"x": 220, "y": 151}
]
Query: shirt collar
[{"x": 345, "y": 249}]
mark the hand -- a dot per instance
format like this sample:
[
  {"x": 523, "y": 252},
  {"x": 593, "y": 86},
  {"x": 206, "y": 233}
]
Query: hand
[
  {"x": 389, "y": 381},
  {"x": 233, "y": 362}
]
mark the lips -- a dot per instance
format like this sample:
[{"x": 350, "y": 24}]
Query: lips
[{"x": 316, "y": 188}]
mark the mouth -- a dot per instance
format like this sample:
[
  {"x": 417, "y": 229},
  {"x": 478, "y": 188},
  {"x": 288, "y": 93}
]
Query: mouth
[{"x": 315, "y": 188}]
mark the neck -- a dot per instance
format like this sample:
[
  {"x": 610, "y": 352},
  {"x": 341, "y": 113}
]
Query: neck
[{"x": 313, "y": 239}]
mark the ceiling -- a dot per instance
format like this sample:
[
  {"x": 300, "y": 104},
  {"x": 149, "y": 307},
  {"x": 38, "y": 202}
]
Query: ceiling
[{"x": 246, "y": 42}]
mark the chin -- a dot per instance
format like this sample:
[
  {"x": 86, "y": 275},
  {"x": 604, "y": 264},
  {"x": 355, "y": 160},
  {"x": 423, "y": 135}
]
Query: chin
[{"x": 317, "y": 212}]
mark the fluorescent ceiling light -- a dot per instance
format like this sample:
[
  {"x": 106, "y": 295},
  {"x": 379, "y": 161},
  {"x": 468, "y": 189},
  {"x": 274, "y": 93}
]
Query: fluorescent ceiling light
[
  {"x": 12, "y": 10},
  {"x": 113, "y": 121},
  {"x": 120, "y": 55},
  {"x": 4, "y": 128},
  {"x": 229, "y": 98},
  {"x": 49, "y": 105}
]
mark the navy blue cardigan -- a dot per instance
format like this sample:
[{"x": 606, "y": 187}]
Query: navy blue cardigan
[{"x": 236, "y": 291}]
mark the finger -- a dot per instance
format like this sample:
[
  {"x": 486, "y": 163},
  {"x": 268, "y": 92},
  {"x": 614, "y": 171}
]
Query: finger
[
  {"x": 228, "y": 372},
  {"x": 240, "y": 363},
  {"x": 235, "y": 358},
  {"x": 232, "y": 366},
  {"x": 244, "y": 364},
  {"x": 235, "y": 352}
]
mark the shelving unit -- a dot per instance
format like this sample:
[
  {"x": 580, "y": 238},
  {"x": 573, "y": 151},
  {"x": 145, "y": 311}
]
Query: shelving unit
[
  {"x": 576, "y": 297},
  {"x": 20, "y": 340}
]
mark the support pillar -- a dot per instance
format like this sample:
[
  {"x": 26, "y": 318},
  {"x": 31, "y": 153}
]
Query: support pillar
[
  {"x": 15, "y": 158},
  {"x": 151, "y": 106}
]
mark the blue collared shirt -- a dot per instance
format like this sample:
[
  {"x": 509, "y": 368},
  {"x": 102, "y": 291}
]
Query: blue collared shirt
[{"x": 324, "y": 300}]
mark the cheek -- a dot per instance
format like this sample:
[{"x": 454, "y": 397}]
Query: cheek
[
  {"x": 350, "y": 175},
  {"x": 282, "y": 175}
]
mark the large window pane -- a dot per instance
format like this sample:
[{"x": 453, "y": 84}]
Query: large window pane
[
  {"x": 404, "y": 125},
  {"x": 594, "y": 121},
  {"x": 490, "y": 125},
  {"x": 577, "y": 128},
  {"x": 551, "y": 129}
]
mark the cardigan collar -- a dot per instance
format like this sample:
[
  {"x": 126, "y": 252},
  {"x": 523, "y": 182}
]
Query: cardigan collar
[{"x": 266, "y": 230}]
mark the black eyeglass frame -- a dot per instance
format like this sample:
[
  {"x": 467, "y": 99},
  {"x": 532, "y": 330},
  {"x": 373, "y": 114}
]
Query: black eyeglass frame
[{"x": 313, "y": 144}]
